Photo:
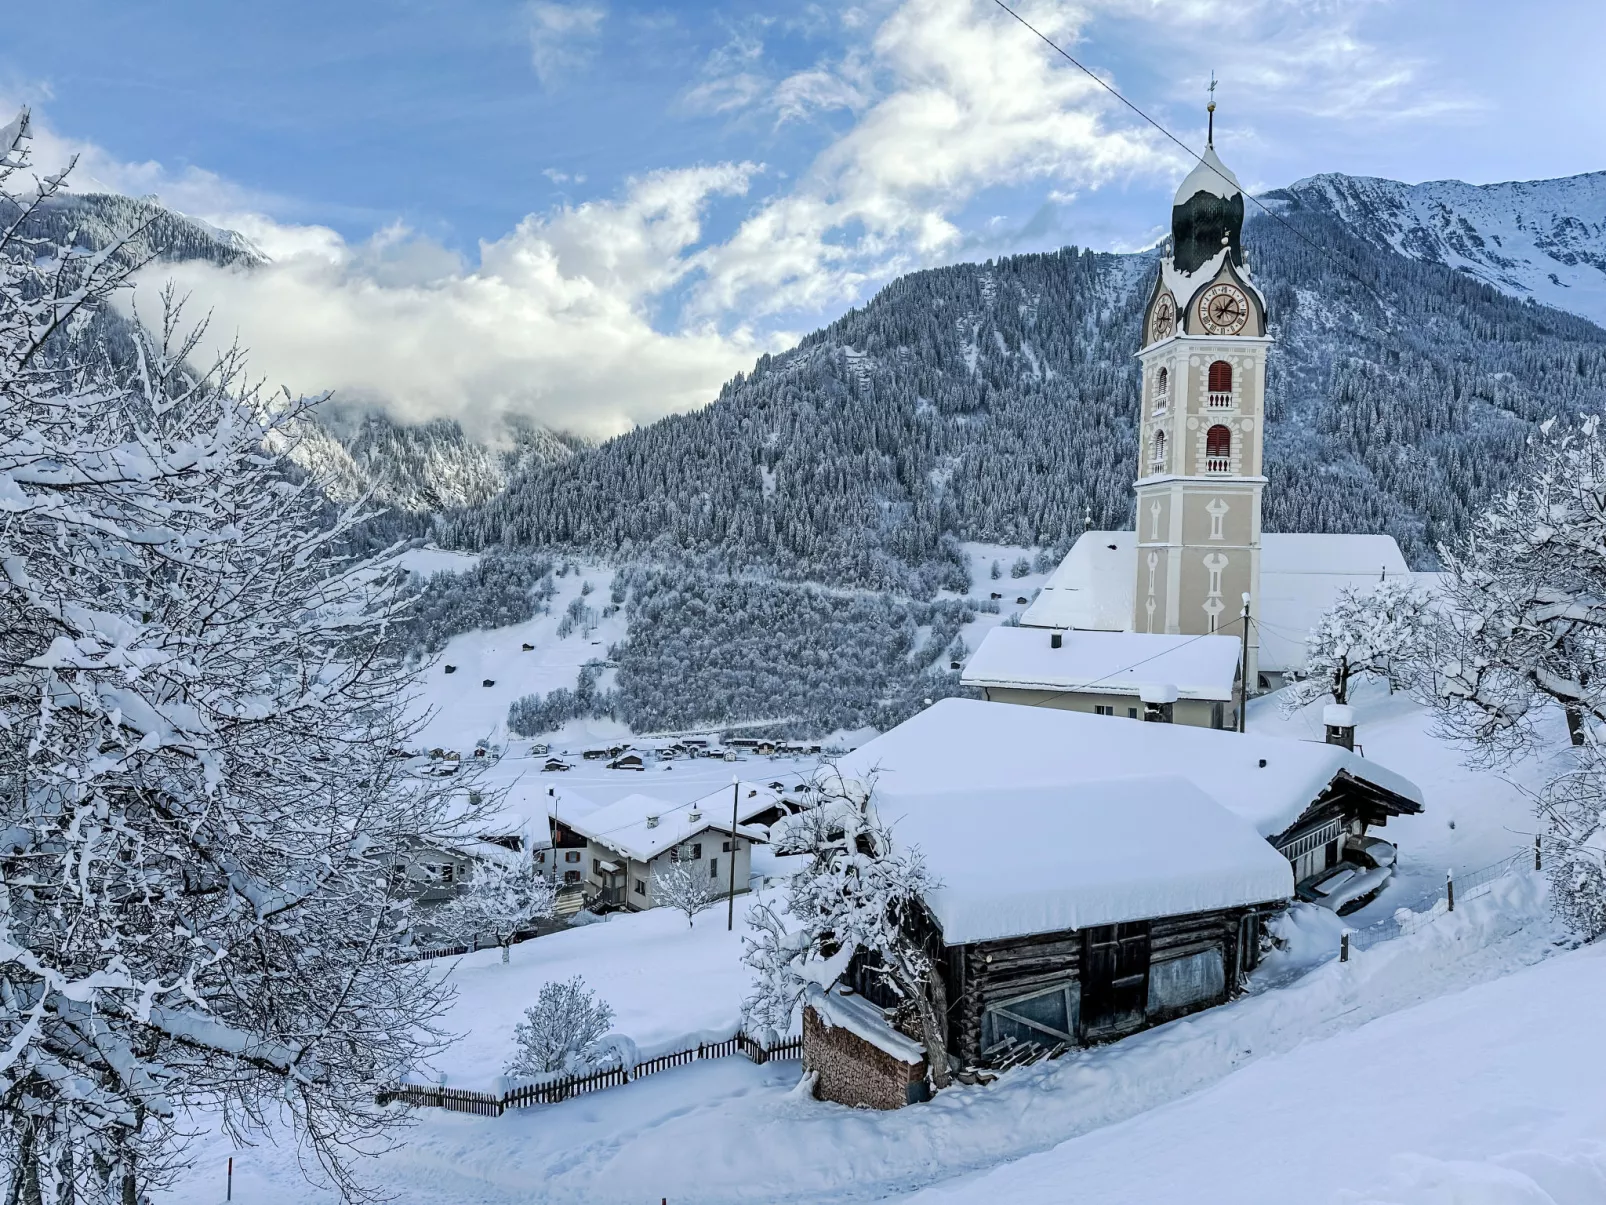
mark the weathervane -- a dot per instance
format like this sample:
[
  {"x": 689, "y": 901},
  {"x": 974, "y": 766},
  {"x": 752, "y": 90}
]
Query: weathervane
[{"x": 1210, "y": 139}]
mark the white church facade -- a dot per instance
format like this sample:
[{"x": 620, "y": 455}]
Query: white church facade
[{"x": 1197, "y": 570}]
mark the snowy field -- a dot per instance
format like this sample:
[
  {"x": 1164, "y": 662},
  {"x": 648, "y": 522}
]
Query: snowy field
[{"x": 1422, "y": 1070}]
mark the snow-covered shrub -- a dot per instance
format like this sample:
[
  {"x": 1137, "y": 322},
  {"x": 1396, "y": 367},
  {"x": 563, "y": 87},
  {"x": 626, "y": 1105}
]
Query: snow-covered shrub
[
  {"x": 499, "y": 900},
  {"x": 561, "y": 1031},
  {"x": 684, "y": 887},
  {"x": 858, "y": 895},
  {"x": 996, "y": 572},
  {"x": 1380, "y": 632},
  {"x": 1574, "y": 807}
]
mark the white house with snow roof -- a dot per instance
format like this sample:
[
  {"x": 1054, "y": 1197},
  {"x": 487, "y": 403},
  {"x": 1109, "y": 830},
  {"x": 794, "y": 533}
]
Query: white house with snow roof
[
  {"x": 627, "y": 841},
  {"x": 1195, "y": 679}
]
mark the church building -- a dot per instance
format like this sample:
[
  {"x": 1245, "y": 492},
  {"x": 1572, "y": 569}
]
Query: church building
[{"x": 1197, "y": 564}]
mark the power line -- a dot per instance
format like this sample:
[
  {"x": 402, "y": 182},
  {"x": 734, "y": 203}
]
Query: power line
[
  {"x": 1267, "y": 210},
  {"x": 1080, "y": 686}
]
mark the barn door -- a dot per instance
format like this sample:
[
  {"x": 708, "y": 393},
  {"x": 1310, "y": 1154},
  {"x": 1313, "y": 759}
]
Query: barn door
[{"x": 1115, "y": 978}]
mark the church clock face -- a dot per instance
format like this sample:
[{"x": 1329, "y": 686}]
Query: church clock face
[
  {"x": 1223, "y": 310},
  {"x": 1164, "y": 322}
]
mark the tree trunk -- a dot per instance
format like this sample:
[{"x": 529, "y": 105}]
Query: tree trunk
[
  {"x": 507, "y": 948},
  {"x": 931, "y": 1003},
  {"x": 1575, "y": 722}
]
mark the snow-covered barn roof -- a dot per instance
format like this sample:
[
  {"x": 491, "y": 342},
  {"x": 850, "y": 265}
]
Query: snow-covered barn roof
[
  {"x": 1300, "y": 576},
  {"x": 623, "y": 825},
  {"x": 1014, "y": 861},
  {"x": 1119, "y": 663},
  {"x": 967, "y": 745}
]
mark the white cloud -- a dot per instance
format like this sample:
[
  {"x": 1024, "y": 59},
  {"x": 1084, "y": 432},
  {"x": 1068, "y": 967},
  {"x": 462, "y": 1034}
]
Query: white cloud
[
  {"x": 561, "y": 36},
  {"x": 596, "y": 316}
]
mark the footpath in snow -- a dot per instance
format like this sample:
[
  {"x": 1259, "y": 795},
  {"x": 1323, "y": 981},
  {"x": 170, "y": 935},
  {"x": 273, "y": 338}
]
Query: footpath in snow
[{"x": 729, "y": 1131}]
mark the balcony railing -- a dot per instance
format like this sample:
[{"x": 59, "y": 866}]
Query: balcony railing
[
  {"x": 1162, "y": 403},
  {"x": 1218, "y": 464},
  {"x": 1218, "y": 401}
]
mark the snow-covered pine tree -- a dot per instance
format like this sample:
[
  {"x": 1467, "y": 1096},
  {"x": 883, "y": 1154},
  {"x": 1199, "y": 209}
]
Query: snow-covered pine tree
[
  {"x": 859, "y": 895},
  {"x": 684, "y": 887},
  {"x": 561, "y": 1031},
  {"x": 1379, "y": 632},
  {"x": 198, "y": 807},
  {"x": 1525, "y": 603},
  {"x": 499, "y": 899}
]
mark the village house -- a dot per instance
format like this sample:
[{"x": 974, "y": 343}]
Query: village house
[
  {"x": 626, "y": 842},
  {"x": 1110, "y": 673},
  {"x": 1136, "y": 900}
]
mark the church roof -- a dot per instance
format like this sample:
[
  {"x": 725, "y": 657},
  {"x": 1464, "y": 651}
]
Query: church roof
[
  {"x": 1209, "y": 175},
  {"x": 1115, "y": 663},
  {"x": 1300, "y": 577}
]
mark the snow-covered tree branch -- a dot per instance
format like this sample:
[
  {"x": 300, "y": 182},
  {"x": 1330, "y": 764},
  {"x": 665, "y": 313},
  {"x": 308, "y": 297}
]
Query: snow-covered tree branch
[
  {"x": 500, "y": 900},
  {"x": 197, "y": 806},
  {"x": 1525, "y": 604},
  {"x": 682, "y": 887},
  {"x": 859, "y": 895},
  {"x": 1381, "y": 632}
]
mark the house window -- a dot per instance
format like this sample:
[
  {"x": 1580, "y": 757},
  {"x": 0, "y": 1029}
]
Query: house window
[
  {"x": 1101, "y": 709},
  {"x": 1220, "y": 379},
  {"x": 1044, "y": 1018},
  {"x": 1131, "y": 713},
  {"x": 572, "y": 855},
  {"x": 571, "y": 876},
  {"x": 713, "y": 868},
  {"x": 641, "y": 888},
  {"x": 697, "y": 852},
  {"x": 596, "y": 867},
  {"x": 1162, "y": 391},
  {"x": 540, "y": 859},
  {"x": 1218, "y": 449},
  {"x": 1157, "y": 452},
  {"x": 726, "y": 846},
  {"x": 446, "y": 872}
]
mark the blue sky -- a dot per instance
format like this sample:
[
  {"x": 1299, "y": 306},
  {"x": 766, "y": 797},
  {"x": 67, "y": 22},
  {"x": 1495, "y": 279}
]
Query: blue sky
[{"x": 594, "y": 211}]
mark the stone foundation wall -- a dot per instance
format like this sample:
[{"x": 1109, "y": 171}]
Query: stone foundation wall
[{"x": 852, "y": 1071}]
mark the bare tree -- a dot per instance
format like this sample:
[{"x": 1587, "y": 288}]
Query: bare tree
[
  {"x": 500, "y": 900},
  {"x": 859, "y": 892},
  {"x": 680, "y": 886}
]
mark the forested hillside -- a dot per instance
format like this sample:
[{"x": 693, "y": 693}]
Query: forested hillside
[{"x": 996, "y": 402}]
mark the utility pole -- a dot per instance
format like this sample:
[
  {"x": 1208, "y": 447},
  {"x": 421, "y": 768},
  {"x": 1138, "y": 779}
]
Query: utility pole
[
  {"x": 730, "y": 909},
  {"x": 1243, "y": 673}
]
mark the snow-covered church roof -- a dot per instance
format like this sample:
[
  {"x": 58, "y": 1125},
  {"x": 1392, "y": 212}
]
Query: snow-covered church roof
[
  {"x": 1300, "y": 577},
  {"x": 1209, "y": 175},
  {"x": 984, "y": 748},
  {"x": 1013, "y": 861},
  {"x": 1121, "y": 663}
]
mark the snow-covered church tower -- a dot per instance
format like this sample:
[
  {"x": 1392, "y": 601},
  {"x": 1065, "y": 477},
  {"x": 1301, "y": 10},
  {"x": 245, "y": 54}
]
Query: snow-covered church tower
[{"x": 1204, "y": 386}]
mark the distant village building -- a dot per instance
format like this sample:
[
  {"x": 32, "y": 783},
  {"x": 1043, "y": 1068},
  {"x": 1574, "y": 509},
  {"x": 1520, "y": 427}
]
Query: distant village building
[
  {"x": 628, "y": 840},
  {"x": 1106, "y": 673}
]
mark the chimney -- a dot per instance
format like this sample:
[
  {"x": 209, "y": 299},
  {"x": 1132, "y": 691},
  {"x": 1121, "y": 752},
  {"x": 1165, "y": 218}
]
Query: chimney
[
  {"x": 1340, "y": 721},
  {"x": 652, "y": 821},
  {"x": 1056, "y": 640},
  {"x": 1158, "y": 698},
  {"x": 694, "y": 815}
]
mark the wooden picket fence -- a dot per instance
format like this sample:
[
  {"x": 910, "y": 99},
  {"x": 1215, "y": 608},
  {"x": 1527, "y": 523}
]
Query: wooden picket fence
[{"x": 491, "y": 1104}]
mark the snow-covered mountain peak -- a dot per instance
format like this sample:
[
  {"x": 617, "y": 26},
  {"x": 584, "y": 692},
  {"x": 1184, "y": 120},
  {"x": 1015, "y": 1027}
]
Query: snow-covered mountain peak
[{"x": 1544, "y": 239}]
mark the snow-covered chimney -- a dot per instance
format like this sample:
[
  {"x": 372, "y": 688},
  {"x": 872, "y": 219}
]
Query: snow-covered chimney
[
  {"x": 1158, "y": 698},
  {"x": 652, "y": 821},
  {"x": 1056, "y": 640},
  {"x": 1340, "y": 721},
  {"x": 694, "y": 815}
]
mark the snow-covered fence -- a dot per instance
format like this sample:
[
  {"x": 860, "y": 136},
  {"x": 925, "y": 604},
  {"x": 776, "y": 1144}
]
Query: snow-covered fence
[
  {"x": 1458, "y": 888},
  {"x": 455, "y": 951},
  {"x": 546, "y": 1092}
]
